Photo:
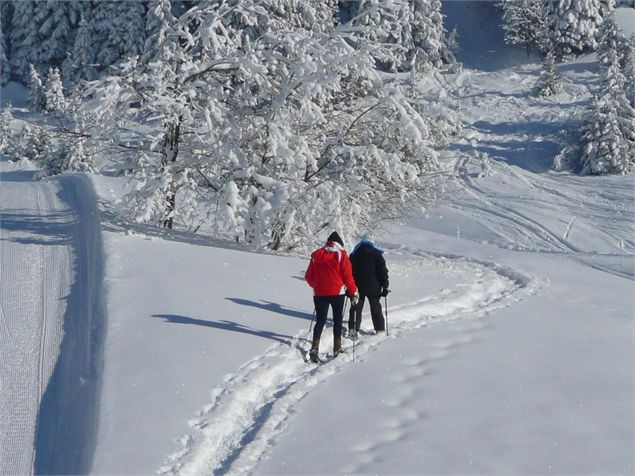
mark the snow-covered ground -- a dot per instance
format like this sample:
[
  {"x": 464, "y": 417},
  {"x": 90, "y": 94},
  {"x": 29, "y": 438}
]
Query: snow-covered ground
[
  {"x": 511, "y": 331},
  {"x": 51, "y": 315}
]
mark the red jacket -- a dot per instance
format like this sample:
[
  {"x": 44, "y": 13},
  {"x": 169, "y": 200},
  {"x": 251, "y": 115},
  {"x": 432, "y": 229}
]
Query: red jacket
[{"x": 329, "y": 271}]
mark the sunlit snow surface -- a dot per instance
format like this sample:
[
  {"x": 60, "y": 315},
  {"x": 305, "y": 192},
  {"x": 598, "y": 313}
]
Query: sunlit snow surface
[{"x": 510, "y": 346}]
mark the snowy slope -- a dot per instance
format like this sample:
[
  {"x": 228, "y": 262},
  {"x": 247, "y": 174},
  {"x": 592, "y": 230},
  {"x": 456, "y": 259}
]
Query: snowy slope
[{"x": 511, "y": 321}]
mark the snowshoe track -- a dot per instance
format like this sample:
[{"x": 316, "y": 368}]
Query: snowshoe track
[{"x": 252, "y": 407}]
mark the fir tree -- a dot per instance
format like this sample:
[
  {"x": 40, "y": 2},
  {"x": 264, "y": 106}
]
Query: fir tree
[
  {"x": 118, "y": 28},
  {"x": 605, "y": 149},
  {"x": 54, "y": 100},
  {"x": 6, "y": 13},
  {"x": 24, "y": 38},
  {"x": 609, "y": 138},
  {"x": 629, "y": 70},
  {"x": 37, "y": 98},
  {"x": 549, "y": 81},
  {"x": 402, "y": 34},
  {"x": 159, "y": 21},
  {"x": 57, "y": 22},
  {"x": 574, "y": 24},
  {"x": 81, "y": 62},
  {"x": 611, "y": 41},
  {"x": 6, "y": 136},
  {"x": 525, "y": 24}
]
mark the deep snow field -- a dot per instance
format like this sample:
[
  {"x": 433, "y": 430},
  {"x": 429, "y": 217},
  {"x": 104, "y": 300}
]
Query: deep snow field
[{"x": 128, "y": 350}]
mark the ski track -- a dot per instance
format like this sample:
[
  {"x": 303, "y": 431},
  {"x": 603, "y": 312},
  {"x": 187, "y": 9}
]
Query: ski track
[
  {"x": 251, "y": 408},
  {"x": 50, "y": 311},
  {"x": 34, "y": 328}
]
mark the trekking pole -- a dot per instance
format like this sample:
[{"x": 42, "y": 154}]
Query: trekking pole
[
  {"x": 308, "y": 339},
  {"x": 355, "y": 344},
  {"x": 386, "y": 306}
]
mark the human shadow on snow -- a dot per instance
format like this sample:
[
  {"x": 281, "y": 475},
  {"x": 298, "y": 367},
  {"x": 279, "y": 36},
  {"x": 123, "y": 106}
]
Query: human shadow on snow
[
  {"x": 226, "y": 326},
  {"x": 272, "y": 307}
]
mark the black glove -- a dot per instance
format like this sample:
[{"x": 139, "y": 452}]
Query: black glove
[{"x": 385, "y": 292}]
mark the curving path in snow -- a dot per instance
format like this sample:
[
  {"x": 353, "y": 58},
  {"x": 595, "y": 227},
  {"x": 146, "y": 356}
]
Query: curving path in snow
[
  {"x": 253, "y": 406},
  {"x": 51, "y": 315}
]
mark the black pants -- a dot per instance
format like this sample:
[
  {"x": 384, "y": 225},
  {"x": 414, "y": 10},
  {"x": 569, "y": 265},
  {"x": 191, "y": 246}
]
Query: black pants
[
  {"x": 376, "y": 314},
  {"x": 321, "y": 311}
]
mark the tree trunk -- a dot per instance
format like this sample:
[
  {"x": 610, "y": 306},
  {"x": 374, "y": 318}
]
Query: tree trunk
[{"x": 169, "y": 153}]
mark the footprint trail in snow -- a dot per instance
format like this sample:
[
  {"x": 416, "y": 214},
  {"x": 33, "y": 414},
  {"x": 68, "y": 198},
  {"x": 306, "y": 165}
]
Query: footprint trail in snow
[{"x": 252, "y": 407}]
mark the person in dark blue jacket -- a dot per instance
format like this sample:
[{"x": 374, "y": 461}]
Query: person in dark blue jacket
[{"x": 371, "y": 275}]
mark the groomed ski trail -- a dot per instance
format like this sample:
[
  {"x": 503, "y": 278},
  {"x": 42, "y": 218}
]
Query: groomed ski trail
[
  {"x": 237, "y": 428},
  {"x": 51, "y": 322}
]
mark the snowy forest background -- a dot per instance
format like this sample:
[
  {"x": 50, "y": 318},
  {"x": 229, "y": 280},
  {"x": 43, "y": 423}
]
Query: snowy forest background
[{"x": 268, "y": 121}]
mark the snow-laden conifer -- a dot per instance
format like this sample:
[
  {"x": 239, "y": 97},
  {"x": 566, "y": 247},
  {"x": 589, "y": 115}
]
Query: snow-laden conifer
[
  {"x": 402, "y": 34},
  {"x": 525, "y": 23},
  {"x": 24, "y": 38},
  {"x": 37, "y": 98},
  {"x": 159, "y": 20},
  {"x": 574, "y": 24},
  {"x": 609, "y": 137},
  {"x": 629, "y": 70},
  {"x": 611, "y": 41},
  {"x": 548, "y": 83},
  {"x": 109, "y": 32},
  {"x": 54, "y": 100},
  {"x": 57, "y": 22},
  {"x": 80, "y": 63},
  {"x": 6, "y": 135},
  {"x": 4, "y": 61}
]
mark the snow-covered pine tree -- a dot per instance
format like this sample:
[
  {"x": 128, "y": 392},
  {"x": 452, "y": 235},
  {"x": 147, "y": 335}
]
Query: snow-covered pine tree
[
  {"x": 609, "y": 137},
  {"x": 54, "y": 100},
  {"x": 574, "y": 24},
  {"x": 614, "y": 81},
  {"x": 23, "y": 37},
  {"x": 5, "y": 18},
  {"x": 610, "y": 41},
  {"x": 33, "y": 143},
  {"x": 629, "y": 70},
  {"x": 605, "y": 149},
  {"x": 57, "y": 22},
  {"x": 80, "y": 63},
  {"x": 525, "y": 24},
  {"x": 548, "y": 83},
  {"x": 6, "y": 136},
  {"x": 37, "y": 98},
  {"x": 403, "y": 34},
  {"x": 159, "y": 20},
  {"x": 119, "y": 29}
]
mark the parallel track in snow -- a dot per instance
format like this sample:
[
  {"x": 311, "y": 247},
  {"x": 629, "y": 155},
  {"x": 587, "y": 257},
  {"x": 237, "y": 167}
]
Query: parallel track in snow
[
  {"x": 48, "y": 327},
  {"x": 252, "y": 407}
]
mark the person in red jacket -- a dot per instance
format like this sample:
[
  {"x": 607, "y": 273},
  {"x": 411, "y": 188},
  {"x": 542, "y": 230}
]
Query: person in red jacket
[{"x": 329, "y": 272}]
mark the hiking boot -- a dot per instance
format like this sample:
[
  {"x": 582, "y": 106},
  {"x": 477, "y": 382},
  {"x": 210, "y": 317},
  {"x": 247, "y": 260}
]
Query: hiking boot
[
  {"x": 313, "y": 356},
  {"x": 352, "y": 335},
  {"x": 337, "y": 346}
]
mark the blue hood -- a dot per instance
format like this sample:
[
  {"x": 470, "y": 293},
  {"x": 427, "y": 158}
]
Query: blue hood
[{"x": 366, "y": 242}]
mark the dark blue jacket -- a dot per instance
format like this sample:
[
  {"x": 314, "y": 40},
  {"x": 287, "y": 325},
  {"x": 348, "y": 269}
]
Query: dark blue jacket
[{"x": 369, "y": 269}]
